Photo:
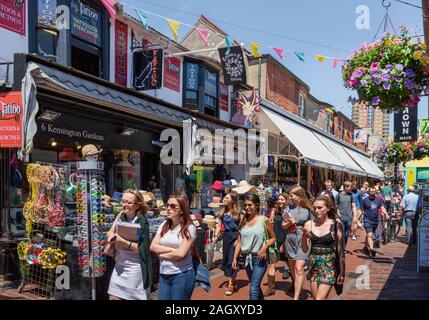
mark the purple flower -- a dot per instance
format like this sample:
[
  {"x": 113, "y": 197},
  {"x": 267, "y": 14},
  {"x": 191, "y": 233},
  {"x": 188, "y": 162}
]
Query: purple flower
[
  {"x": 386, "y": 85},
  {"x": 374, "y": 66},
  {"x": 399, "y": 66},
  {"x": 377, "y": 80},
  {"x": 385, "y": 77},
  {"x": 409, "y": 73},
  {"x": 352, "y": 100},
  {"x": 375, "y": 74},
  {"x": 363, "y": 82},
  {"x": 356, "y": 74},
  {"x": 389, "y": 66},
  {"x": 397, "y": 79},
  {"x": 375, "y": 101},
  {"x": 409, "y": 84}
]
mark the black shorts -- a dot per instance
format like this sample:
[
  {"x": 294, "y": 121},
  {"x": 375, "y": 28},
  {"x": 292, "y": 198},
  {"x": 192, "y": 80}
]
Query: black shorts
[{"x": 370, "y": 226}]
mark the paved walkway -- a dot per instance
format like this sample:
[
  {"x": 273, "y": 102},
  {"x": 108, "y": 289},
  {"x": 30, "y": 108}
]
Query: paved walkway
[{"x": 392, "y": 275}]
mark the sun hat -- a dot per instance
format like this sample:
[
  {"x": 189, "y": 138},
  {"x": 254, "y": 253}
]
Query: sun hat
[
  {"x": 216, "y": 202},
  {"x": 146, "y": 196},
  {"x": 244, "y": 187},
  {"x": 217, "y": 185},
  {"x": 68, "y": 155},
  {"x": 116, "y": 197},
  {"x": 210, "y": 221},
  {"x": 90, "y": 150},
  {"x": 229, "y": 183}
]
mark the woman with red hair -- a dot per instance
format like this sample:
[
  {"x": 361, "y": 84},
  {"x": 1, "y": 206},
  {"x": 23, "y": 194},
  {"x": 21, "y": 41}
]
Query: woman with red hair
[{"x": 173, "y": 244}]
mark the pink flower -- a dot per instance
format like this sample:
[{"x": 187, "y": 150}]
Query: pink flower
[
  {"x": 353, "y": 82},
  {"x": 426, "y": 70},
  {"x": 374, "y": 66},
  {"x": 377, "y": 43}
]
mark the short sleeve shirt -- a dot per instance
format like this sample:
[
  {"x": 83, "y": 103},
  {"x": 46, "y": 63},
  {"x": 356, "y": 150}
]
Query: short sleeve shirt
[
  {"x": 173, "y": 239},
  {"x": 370, "y": 208}
]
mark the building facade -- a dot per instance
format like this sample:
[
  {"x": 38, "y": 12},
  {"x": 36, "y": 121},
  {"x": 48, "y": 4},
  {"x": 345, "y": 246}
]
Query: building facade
[{"x": 377, "y": 120}]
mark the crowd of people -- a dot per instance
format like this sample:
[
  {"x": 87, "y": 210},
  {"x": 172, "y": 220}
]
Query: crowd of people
[{"x": 309, "y": 233}]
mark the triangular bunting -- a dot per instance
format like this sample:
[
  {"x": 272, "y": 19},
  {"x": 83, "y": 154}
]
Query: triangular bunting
[
  {"x": 143, "y": 18},
  {"x": 279, "y": 51},
  {"x": 109, "y": 6},
  {"x": 300, "y": 56},
  {"x": 255, "y": 49},
  {"x": 228, "y": 43},
  {"x": 335, "y": 62},
  {"x": 204, "y": 34},
  {"x": 320, "y": 58},
  {"x": 330, "y": 110},
  {"x": 174, "y": 26}
]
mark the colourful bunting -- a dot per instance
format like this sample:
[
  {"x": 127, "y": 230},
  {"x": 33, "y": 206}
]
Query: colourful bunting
[
  {"x": 300, "y": 56},
  {"x": 279, "y": 51},
  {"x": 174, "y": 26},
  {"x": 335, "y": 62},
  {"x": 143, "y": 18},
  {"x": 228, "y": 43},
  {"x": 204, "y": 34},
  {"x": 255, "y": 49},
  {"x": 320, "y": 58},
  {"x": 331, "y": 123},
  {"x": 330, "y": 111},
  {"x": 109, "y": 6}
]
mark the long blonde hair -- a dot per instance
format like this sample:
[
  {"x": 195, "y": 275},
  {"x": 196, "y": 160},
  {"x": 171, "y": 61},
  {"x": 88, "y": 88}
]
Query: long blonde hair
[
  {"x": 304, "y": 202},
  {"x": 143, "y": 208},
  {"x": 233, "y": 208}
]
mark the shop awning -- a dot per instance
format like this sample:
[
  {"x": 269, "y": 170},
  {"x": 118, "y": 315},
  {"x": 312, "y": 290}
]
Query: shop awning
[
  {"x": 305, "y": 141},
  {"x": 367, "y": 164},
  {"x": 339, "y": 151}
]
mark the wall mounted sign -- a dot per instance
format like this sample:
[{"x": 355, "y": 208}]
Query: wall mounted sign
[
  {"x": 248, "y": 106},
  {"x": 147, "y": 69},
  {"x": 11, "y": 120},
  {"x": 223, "y": 97},
  {"x": 172, "y": 73},
  {"x": 360, "y": 136},
  {"x": 121, "y": 53},
  {"x": 85, "y": 22},
  {"x": 12, "y": 15},
  {"x": 234, "y": 68},
  {"x": 405, "y": 124},
  {"x": 192, "y": 76},
  {"x": 47, "y": 17}
]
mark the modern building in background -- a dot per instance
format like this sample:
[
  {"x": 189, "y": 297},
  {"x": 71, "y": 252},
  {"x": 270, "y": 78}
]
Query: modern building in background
[{"x": 377, "y": 120}]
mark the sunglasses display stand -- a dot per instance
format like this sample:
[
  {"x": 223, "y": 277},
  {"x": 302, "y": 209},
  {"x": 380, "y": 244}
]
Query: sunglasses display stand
[{"x": 91, "y": 219}]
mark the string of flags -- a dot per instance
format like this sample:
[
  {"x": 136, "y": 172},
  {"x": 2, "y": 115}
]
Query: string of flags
[{"x": 255, "y": 47}]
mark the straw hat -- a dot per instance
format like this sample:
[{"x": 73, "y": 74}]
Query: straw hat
[
  {"x": 160, "y": 204},
  {"x": 90, "y": 150},
  {"x": 105, "y": 200},
  {"x": 244, "y": 187},
  {"x": 216, "y": 202},
  {"x": 210, "y": 221},
  {"x": 145, "y": 195}
]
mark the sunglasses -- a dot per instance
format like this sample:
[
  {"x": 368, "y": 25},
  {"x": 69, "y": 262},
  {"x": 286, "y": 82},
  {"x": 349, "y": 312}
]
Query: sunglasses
[
  {"x": 172, "y": 206},
  {"x": 97, "y": 193},
  {"x": 99, "y": 220}
]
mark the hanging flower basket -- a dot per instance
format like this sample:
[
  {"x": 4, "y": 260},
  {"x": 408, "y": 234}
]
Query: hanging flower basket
[
  {"x": 389, "y": 74},
  {"x": 401, "y": 152}
]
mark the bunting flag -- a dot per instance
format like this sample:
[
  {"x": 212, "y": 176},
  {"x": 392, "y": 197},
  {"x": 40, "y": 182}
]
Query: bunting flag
[
  {"x": 228, "y": 43},
  {"x": 204, "y": 34},
  {"x": 279, "y": 51},
  {"x": 320, "y": 58},
  {"x": 331, "y": 123},
  {"x": 330, "y": 111},
  {"x": 174, "y": 26},
  {"x": 143, "y": 18},
  {"x": 335, "y": 62},
  {"x": 300, "y": 56},
  {"x": 109, "y": 6},
  {"x": 255, "y": 49}
]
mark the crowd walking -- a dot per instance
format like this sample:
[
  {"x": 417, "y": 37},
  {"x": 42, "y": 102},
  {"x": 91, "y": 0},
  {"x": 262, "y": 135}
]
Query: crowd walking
[{"x": 310, "y": 234}]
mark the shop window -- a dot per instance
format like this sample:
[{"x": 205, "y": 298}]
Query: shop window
[
  {"x": 47, "y": 43},
  {"x": 126, "y": 170},
  {"x": 85, "y": 61}
]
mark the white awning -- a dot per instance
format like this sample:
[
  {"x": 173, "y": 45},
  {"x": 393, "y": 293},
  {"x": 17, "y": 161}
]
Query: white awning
[
  {"x": 339, "y": 150},
  {"x": 304, "y": 140},
  {"x": 366, "y": 163}
]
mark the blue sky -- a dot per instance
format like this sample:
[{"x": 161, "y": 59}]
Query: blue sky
[{"x": 330, "y": 23}]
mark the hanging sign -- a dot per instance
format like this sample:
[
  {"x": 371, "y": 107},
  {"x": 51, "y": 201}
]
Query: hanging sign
[
  {"x": 223, "y": 97},
  {"x": 172, "y": 73},
  {"x": 405, "y": 125},
  {"x": 147, "y": 69},
  {"x": 11, "y": 120},
  {"x": 47, "y": 16},
  {"x": 121, "y": 53},
  {"x": 360, "y": 136},
  {"x": 234, "y": 68},
  {"x": 85, "y": 22},
  {"x": 248, "y": 106},
  {"x": 12, "y": 15}
]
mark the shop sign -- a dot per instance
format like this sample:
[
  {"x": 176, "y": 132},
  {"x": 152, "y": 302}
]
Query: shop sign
[
  {"x": 12, "y": 15},
  {"x": 210, "y": 85},
  {"x": 360, "y": 136},
  {"x": 85, "y": 22},
  {"x": 121, "y": 53},
  {"x": 147, "y": 69},
  {"x": 423, "y": 236},
  {"x": 223, "y": 97},
  {"x": 405, "y": 124},
  {"x": 47, "y": 17},
  {"x": 192, "y": 76},
  {"x": 172, "y": 73},
  {"x": 11, "y": 120},
  {"x": 248, "y": 107},
  {"x": 51, "y": 129},
  {"x": 234, "y": 68}
]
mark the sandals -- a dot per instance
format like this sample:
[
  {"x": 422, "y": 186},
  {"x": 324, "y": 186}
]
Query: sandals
[{"x": 230, "y": 289}]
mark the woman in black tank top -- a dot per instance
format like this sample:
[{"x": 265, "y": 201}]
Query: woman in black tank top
[{"x": 324, "y": 236}]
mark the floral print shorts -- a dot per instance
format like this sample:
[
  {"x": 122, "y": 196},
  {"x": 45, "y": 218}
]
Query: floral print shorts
[{"x": 322, "y": 269}]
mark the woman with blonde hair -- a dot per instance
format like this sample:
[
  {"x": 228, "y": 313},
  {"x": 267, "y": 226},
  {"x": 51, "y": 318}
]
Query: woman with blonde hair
[
  {"x": 231, "y": 217},
  {"x": 324, "y": 236},
  {"x": 294, "y": 221},
  {"x": 132, "y": 276}
]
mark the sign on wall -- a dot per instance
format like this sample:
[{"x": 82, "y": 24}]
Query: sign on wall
[
  {"x": 360, "y": 136},
  {"x": 223, "y": 97},
  {"x": 192, "y": 76},
  {"x": 12, "y": 15},
  {"x": 405, "y": 124},
  {"x": 147, "y": 69},
  {"x": 248, "y": 107},
  {"x": 121, "y": 53},
  {"x": 85, "y": 22},
  {"x": 11, "y": 120},
  {"x": 234, "y": 68},
  {"x": 172, "y": 73},
  {"x": 46, "y": 16}
]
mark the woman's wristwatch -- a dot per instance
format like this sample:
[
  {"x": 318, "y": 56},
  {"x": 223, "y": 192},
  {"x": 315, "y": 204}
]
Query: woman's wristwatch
[{"x": 129, "y": 246}]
